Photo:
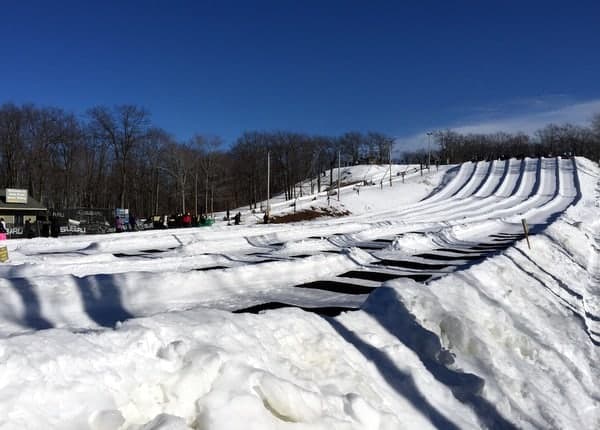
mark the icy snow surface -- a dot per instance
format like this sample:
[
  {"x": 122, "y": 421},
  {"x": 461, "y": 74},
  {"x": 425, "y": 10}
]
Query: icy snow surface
[{"x": 423, "y": 308}]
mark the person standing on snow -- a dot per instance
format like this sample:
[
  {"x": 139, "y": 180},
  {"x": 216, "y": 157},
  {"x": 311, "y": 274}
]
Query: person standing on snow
[
  {"x": 119, "y": 224},
  {"x": 186, "y": 220},
  {"x": 54, "y": 227},
  {"x": 27, "y": 233}
]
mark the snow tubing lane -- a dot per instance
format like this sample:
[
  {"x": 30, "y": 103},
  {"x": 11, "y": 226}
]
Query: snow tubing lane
[
  {"x": 381, "y": 276},
  {"x": 337, "y": 287},
  {"x": 329, "y": 311}
]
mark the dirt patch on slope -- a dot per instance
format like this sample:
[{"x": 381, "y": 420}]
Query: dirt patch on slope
[{"x": 307, "y": 215}]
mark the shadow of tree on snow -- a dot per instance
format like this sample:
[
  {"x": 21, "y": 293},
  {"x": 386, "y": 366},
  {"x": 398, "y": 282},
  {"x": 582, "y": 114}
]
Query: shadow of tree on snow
[
  {"x": 101, "y": 298},
  {"x": 399, "y": 322},
  {"x": 32, "y": 315}
]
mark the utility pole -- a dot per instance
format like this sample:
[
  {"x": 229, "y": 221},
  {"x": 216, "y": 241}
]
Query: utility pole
[
  {"x": 206, "y": 193},
  {"x": 268, "y": 182},
  {"x": 429, "y": 133},
  {"x": 390, "y": 164},
  {"x": 157, "y": 184},
  {"x": 182, "y": 199},
  {"x": 339, "y": 168},
  {"x": 212, "y": 199}
]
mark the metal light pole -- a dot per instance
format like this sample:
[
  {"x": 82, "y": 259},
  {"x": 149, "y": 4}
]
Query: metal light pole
[
  {"x": 339, "y": 168},
  {"x": 212, "y": 200},
  {"x": 268, "y": 182},
  {"x": 157, "y": 184},
  {"x": 390, "y": 164},
  {"x": 429, "y": 133}
]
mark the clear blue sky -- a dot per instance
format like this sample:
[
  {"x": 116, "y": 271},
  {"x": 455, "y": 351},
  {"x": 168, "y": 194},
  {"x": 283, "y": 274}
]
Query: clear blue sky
[{"x": 221, "y": 67}]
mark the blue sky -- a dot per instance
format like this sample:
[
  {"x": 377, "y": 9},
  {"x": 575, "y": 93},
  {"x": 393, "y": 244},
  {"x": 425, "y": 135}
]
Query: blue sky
[{"x": 222, "y": 67}]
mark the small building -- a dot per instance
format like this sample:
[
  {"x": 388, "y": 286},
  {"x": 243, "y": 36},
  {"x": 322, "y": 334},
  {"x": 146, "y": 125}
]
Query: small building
[{"x": 17, "y": 207}]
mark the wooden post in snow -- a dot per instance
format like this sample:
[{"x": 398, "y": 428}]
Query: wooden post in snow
[
  {"x": 526, "y": 231},
  {"x": 3, "y": 254}
]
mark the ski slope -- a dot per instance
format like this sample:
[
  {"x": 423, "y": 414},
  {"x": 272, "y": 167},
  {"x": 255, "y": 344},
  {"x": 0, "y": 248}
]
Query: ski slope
[{"x": 422, "y": 308}]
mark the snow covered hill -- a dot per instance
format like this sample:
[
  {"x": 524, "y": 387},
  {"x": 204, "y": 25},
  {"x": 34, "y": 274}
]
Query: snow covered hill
[{"x": 423, "y": 308}]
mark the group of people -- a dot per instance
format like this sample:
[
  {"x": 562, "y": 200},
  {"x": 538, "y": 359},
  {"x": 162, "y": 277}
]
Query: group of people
[
  {"x": 185, "y": 220},
  {"x": 172, "y": 221},
  {"x": 237, "y": 219},
  {"x": 120, "y": 224},
  {"x": 50, "y": 226},
  {"x": 164, "y": 221}
]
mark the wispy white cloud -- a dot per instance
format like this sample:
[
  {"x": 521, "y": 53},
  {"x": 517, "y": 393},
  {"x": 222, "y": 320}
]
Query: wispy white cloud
[
  {"x": 519, "y": 105},
  {"x": 576, "y": 113},
  {"x": 579, "y": 113}
]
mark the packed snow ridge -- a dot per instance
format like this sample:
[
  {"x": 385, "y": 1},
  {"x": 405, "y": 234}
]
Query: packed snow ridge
[{"x": 426, "y": 307}]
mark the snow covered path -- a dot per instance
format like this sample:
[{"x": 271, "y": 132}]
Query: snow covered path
[{"x": 502, "y": 336}]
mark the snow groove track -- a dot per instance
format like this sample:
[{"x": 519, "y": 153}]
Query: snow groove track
[
  {"x": 506, "y": 341},
  {"x": 476, "y": 214},
  {"x": 324, "y": 265},
  {"x": 591, "y": 300}
]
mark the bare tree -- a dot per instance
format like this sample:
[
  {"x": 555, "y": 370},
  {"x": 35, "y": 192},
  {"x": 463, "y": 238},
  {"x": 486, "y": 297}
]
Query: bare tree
[
  {"x": 12, "y": 145},
  {"x": 67, "y": 152},
  {"x": 179, "y": 162},
  {"x": 379, "y": 147},
  {"x": 123, "y": 128},
  {"x": 207, "y": 148},
  {"x": 352, "y": 144}
]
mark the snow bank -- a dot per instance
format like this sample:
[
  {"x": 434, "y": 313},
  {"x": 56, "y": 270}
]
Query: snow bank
[
  {"x": 523, "y": 321},
  {"x": 210, "y": 369}
]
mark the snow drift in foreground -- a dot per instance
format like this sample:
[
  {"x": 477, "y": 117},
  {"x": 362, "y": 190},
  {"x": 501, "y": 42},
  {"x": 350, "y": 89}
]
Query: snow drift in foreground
[{"x": 511, "y": 342}]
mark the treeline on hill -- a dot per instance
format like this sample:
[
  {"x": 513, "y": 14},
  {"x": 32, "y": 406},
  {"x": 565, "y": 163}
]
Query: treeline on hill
[
  {"x": 552, "y": 140},
  {"x": 115, "y": 157}
]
